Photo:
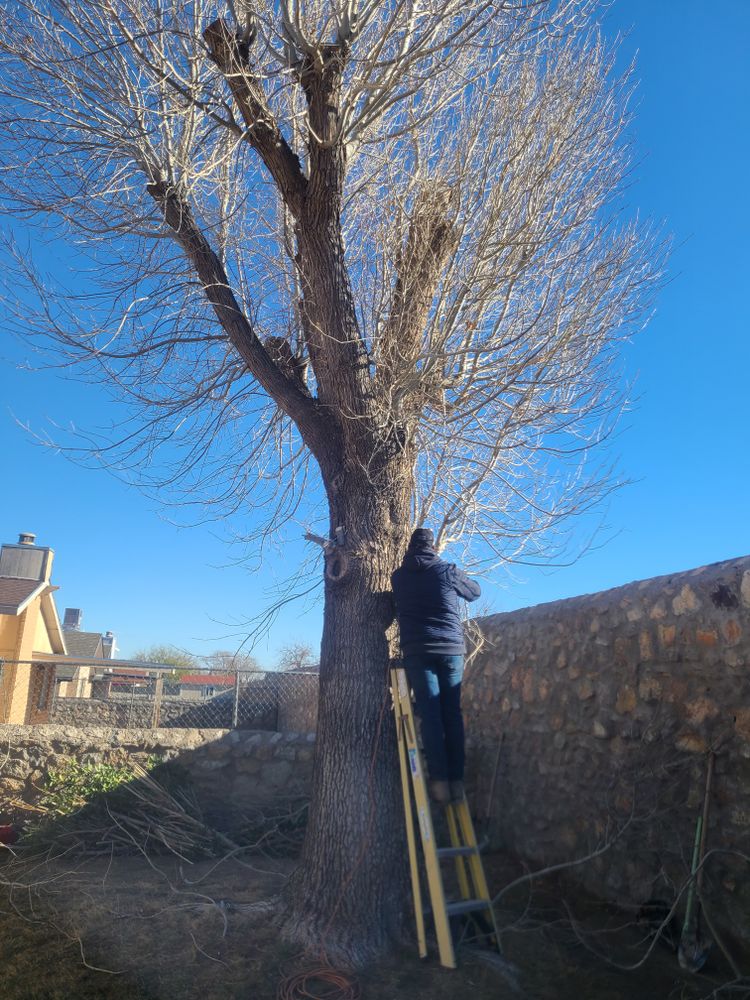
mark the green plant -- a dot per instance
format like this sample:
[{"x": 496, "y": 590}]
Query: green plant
[{"x": 75, "y": 785}]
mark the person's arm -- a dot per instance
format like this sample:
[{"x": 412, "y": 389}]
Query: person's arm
[{"x": 464, "y": 586}]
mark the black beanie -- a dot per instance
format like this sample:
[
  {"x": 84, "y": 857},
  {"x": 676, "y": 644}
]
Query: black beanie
[{"x": 422, "y": 538}]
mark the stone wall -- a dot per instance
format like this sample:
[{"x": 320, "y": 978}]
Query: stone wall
[
  {"x": 595, "y": 714},
  {"x": 298, "y": 709},
  {"x": 230, "y": 772},
  {"x": 275, "y": 701},
  {"x": 123, "y": 712}
]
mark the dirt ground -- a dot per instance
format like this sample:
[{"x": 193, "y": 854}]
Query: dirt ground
[{"x": 133, "y": 929}]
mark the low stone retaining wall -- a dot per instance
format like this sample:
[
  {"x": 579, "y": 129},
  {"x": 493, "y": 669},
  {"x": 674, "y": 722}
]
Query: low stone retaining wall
[{"x": 230, "y": 772}]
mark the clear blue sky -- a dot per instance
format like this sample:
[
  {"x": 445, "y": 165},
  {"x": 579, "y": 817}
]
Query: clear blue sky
[{"x": 685, "y": 444}]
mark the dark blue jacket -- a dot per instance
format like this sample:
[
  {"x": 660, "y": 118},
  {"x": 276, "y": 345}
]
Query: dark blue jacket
[{"x": 427, "y": 592}]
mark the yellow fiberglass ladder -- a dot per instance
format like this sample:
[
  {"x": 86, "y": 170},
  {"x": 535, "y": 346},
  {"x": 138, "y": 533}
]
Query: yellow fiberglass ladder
[{"x": 475, "y": 901}]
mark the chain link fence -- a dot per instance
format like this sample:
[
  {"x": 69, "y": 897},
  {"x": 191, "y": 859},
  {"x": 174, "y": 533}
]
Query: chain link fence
[{"x": 37, "y": 693}]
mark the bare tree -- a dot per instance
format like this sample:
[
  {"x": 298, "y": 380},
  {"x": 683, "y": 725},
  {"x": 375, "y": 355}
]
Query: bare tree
[
  {"x": 224, "y": 661},
  {"x": 296, "y": 656},
  {"x": 380, "y": 246}
]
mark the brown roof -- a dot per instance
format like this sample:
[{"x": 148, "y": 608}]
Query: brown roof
[
  {"x": 14, "y": 591},
  {"x": 83, "y": 643}
]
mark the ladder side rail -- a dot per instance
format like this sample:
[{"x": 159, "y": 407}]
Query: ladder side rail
[
  {"x": 424, "y": 815},
  {"x": 453, "y": 830},
  {"x": 416, "y": 887},
  {"x": 476, "y": 867}
]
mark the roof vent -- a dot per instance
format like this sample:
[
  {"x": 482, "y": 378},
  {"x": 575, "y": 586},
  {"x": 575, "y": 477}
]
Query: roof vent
[
  {"x": 108, "y": 645},
  {"x": 72, "y": 619},
  {"x": 26, "y": 561}
]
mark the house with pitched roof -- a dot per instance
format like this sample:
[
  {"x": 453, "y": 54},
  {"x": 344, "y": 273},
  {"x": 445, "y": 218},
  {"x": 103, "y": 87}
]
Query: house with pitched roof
[
  {"x": 29, "y": 628},
  {"x": 75, "y": 680},
  {"x": 199, "y": 687}
]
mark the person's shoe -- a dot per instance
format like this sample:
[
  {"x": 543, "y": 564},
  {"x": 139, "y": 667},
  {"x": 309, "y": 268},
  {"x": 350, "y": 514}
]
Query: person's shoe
[
  {"x": 440, "y": 791},
  {"x": 457, "y": 791}
]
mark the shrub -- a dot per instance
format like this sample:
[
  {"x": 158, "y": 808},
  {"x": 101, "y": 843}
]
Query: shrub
[{"x": 76, "y": 785}]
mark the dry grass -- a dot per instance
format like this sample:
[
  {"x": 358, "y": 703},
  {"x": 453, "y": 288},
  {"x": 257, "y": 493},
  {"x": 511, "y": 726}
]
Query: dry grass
[{"x": 165, "y": 930}]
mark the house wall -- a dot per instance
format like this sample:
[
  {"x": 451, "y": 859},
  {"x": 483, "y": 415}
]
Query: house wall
[
  {"x": 81, "y": 686},
  {"x": 41, "y": 679},
  {"x": 16, "y": 688},
  {"x": 41, "y": 642},
  {"x": 8, "y": 636},
  {"x": 25, "y": 691},
  {"x": 8, "y": 645}
]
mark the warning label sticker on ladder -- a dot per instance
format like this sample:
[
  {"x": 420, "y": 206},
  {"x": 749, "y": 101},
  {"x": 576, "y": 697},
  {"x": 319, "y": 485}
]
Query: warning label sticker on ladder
[
  {"x": 425, "y": 824},
  {"x": 414, "y": 762}
]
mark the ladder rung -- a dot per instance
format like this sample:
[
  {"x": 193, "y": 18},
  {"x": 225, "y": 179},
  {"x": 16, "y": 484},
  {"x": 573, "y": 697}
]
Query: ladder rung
[
  {"x": 466, "y": 906},
  {"x": 456, "y": 852}
]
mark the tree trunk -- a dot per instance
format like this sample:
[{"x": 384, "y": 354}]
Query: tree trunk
[{"x": 346, "y": 900}]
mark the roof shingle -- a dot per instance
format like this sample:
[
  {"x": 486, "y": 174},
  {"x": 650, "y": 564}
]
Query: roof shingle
[
  {"x": 14, "y": 591},
  {"x": 82, "y": 643}
]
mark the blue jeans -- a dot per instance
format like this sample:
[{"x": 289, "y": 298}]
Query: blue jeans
[{"x": 436, "y": 682}]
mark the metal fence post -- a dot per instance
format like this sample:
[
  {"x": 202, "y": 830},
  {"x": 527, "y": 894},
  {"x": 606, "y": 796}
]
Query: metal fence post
[
  {"x": 54, "y": 696},
  {"x": 236, "y": 702},
  {"x": 158, "y": 687}
]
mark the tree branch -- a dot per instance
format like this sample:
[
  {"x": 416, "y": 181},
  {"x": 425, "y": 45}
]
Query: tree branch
[
  {"x": 263, "y": 132},
  {"x": 283, "y": 388}
]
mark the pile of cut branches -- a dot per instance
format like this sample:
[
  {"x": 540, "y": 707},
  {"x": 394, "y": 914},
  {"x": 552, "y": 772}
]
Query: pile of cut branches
[
  {"x": 105, "y": 810},
  {"x": 276, "y": 829},
  {"x": 126, "y": 808}
]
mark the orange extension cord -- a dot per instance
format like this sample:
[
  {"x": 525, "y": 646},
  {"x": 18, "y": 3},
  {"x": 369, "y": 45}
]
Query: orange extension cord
[{"x": 323, "y": 983}]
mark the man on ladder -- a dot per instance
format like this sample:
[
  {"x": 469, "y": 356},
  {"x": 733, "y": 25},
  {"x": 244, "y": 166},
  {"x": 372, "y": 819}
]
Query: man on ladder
[{"x": 427, "y": 591}]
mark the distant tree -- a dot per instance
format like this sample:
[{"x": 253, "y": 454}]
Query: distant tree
[
  {"x": 167, "y": 655},
  {"x": 296, "y": 656},
  {"x": 224, "y": 661},
  {"x": 171, "y": 656}
]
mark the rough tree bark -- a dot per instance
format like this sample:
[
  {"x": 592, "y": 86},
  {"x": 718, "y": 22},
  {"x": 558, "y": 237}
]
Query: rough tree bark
[{"x": 347, "y": 897}]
